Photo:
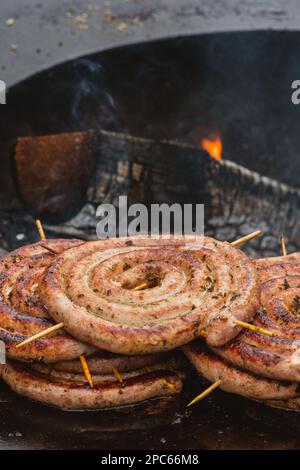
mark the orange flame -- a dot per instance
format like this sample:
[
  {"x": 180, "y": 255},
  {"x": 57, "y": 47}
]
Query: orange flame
[{"x": 213, "y": 146}]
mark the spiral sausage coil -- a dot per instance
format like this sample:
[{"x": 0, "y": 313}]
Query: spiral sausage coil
[{"x": 192, "y": 286}]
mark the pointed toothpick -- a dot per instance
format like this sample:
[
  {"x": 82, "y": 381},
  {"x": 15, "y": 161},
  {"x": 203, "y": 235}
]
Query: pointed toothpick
[
  {"x": 40, "y": 229},
  {"x": 205, "y": 393},
  {"x": 258, "y": 329},
  {"x": 203, "y": 334},
  {"x": 50, "y": 249},
  {"x": 140, "y": 286},
  {"x": 86, "y": 370},
  {"x": 242, "y": 240},
  {"x": 118, "y": 375},
  {"x": 283, "y": 246},
  {"x": 170, "y": 386},
  {"x": 41, "y": 334}
]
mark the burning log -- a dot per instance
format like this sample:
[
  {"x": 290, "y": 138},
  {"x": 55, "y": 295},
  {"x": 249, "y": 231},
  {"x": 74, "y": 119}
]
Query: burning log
[{"x": 237, "y": 201}]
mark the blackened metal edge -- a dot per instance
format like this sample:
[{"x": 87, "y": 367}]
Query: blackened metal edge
[{"x": 45, "y": 34}]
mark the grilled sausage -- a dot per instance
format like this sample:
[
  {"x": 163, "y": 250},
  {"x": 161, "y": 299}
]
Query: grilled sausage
[
  {"x": 291, "y": 404},
  {"x": 235, "y": 380},
  {"x": 21, "y": 312},
  {"x": 70, "y": 391},
  {"x": 191, "y": 285},
  {"x": 276, "y": 357},
  {"x": 103, "y": 362}
]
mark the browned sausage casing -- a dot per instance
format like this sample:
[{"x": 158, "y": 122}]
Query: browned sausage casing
[
  {"x": 192, "y": 285},
  {"x": 276, "y": 357},
  {"x": 22, "y": 313},
  {"x": 70, "y": 391},
  {"x": 235, "y": 380},
  {"x": 104, "y": 362}
]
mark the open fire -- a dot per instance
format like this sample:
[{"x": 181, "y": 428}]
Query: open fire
[{"x": 212, "y": 145}]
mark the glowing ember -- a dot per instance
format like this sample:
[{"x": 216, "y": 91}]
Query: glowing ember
[{"x": 213, "y": 146}]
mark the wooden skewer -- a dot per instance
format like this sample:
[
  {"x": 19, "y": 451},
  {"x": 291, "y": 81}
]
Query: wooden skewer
[
  {"x": 41, "y": 334},
  {"x": 252, "y": 235},
  {"x": 86, "y": 370},
  {"x": 254, "y": 328},
  {"x": 205, "y": 393},
  {"x": 50, "y": 249},
  {"x": 170, "y": 386},
  {"x": 40, "y": 229},
  {"x": 140, "y": 286},
  {"x": 283, "y": 247},
  {"x": 118, "y": 375},
  {"x": 245, "y": 325}
]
